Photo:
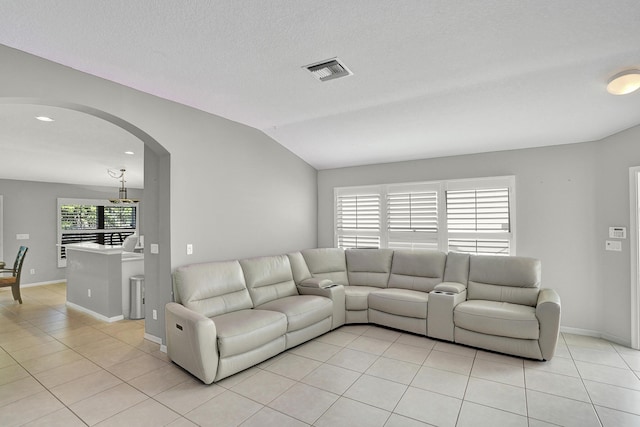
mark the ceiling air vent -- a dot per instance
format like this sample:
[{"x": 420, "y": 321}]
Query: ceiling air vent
[{"x": 328, "y": 70}]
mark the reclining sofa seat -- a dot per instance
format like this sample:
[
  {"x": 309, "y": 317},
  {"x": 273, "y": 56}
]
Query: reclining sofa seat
[
  {"x": 368, "y": 271},
  {"x": 403, "y": 303},
  {"x": 215, "y": 332},
  {"x": 505, "y": 309},
  {"x": 272, "y": 287}
]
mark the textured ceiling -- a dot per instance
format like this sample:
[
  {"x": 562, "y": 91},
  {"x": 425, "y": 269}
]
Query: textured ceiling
[{"x": 430, "y": 78}]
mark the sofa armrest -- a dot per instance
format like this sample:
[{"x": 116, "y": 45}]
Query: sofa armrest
[
  {"x": 453, "y": 287},
  {"x": 316, "y": 282},
  {"x": 336, "y": 294},
  {"x": 192, "y": 341},
  {"x": 548, "y": 314},
  {"x": 440, "y": 312}
]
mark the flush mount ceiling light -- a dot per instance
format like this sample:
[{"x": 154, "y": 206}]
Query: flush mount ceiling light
[
  {"x": 624, "y": 83},
  {"x": 328, "y": 70},
  {"x": 44, "y": 119}
]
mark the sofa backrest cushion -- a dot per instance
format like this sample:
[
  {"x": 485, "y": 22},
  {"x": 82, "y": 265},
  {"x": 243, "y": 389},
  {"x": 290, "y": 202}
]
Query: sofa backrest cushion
[
  {"x": 327, "y": 263},
  {"x": 504, "y": 278},
  {"x": 212, "y": 288},
  {"x": 268, "y": 278},
  {"x": 457, "y": 268},
  {"x": 419, "y": 269},
  {"x": 369, "y": 267},
  {"x": 298, "y": 267}
]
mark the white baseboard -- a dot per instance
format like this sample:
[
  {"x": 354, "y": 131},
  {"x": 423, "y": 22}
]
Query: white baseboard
[
  {"x": 157, "y": 340},
  {"x": 94, "y": 314},
  {"x": 590, "y": 333},
  {"x": 50, "y": 282}
]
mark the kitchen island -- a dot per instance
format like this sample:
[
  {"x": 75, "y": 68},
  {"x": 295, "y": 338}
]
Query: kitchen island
[{"x": 98, "y": 279}]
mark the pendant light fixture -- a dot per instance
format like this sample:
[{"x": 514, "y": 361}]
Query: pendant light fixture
[{"x": 122, "y": 191}]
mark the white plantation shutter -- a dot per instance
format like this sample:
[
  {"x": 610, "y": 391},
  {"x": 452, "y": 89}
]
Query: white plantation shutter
[
  {"x": 350, "y": 242},
  {"x": 469, "y": 215},
  {"x": 413, "y": 211},
  {"x": 412, "y": 218},
  {"x": 480, "y": 246},
  {"x": 359, "y": 212},
  {"x": 479, "y": 221},
  {"x": 478, "y": 210},
  {"x": 358, "y": 219}
]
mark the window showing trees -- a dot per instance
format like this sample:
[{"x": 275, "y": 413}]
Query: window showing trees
[{"x": 94, "y": 221}]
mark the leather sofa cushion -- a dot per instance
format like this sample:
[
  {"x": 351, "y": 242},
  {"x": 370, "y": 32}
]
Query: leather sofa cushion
[
  {"x": 508, "y": 279},
  {"x": 457, "y": 268},
  {"x": 298, "y": 267},
  {"x": 212, "y": 288},
  {"x": 245, "y": 330},
  {"x": 497, "y": 318},
  {"x": 401, "y": 302},
  {"x": 357, "y": 297},
  {"x": 327, "y": 263},
  {"x": 301, "y": 310},
  {"x": 418, "y": 269},
  {"x": 369, "y": 267},
  {"x": 268, "y": 278}
]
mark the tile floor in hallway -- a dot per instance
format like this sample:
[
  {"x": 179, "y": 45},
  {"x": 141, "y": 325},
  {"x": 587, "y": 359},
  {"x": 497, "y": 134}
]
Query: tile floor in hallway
[{"x": 60, "y": 367}]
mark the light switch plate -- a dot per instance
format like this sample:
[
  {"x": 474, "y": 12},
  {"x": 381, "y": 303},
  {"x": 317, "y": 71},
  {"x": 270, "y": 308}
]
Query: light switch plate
[
  {"x": 22, "y": 237},
  {"x": 612, "y": 245},
  {"x": 154, "y": 248}
]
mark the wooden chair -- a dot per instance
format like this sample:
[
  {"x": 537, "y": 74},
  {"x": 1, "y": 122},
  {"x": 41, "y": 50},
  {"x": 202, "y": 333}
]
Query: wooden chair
[{"x": 16, "y": 271}]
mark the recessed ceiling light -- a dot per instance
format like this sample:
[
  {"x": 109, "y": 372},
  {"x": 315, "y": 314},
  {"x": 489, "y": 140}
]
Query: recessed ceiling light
[
  {"x": 44, "y": 119},
  {"x": 328, "y": 70},
  {"x": 131, "y": 153},
  {"x": 624, "y": 83}
]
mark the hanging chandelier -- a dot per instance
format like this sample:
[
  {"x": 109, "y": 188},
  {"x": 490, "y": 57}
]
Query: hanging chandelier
[{"x": 122, "y": 191}]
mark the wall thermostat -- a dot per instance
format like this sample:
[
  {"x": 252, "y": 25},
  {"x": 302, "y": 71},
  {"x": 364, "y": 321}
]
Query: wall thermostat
[{"x": 617, "y": 232}]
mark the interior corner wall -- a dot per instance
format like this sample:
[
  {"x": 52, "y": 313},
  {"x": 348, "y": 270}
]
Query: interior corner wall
[
  {"x": 32, "y": 208},
  {"x": 234, "y": 192},
  {"x": 566, "y": 198}
]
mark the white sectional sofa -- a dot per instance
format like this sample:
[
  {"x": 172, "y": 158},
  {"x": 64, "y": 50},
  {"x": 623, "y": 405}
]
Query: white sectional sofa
[{"x": 228, "y": 316}]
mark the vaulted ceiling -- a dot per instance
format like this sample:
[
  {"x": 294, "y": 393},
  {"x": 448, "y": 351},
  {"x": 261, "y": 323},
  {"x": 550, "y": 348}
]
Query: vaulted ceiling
[{"x": 430, "y": 77}]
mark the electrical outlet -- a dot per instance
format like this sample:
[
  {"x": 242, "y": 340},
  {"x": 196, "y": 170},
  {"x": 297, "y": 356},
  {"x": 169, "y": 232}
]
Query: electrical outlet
[
  {"x": 89, "y": 293},
  {"x": 155, "y": 314},
  {"x": 32, "y": 271},
  {"x": 22, "y": 237},
  {"x": 189, "y": 249}
]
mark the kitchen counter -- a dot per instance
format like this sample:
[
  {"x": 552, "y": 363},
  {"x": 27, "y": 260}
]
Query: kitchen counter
[{"x": 98, "y": 279}]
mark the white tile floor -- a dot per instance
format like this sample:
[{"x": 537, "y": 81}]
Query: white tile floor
[{"x": 61, "y": 367}]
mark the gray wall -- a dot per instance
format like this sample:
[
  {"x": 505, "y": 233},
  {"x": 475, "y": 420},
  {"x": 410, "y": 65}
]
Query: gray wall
[
  {"x": 567, "y": 197},
  {"x": 31, "y": 208},
  {"x": 234, "y": 192}
]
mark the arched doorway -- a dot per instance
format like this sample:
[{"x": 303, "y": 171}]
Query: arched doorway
[{"x": 155, "y": 204}]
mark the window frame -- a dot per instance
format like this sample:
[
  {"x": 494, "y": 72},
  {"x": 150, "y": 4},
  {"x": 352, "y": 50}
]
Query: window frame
[{"x": 426, "y": 239}]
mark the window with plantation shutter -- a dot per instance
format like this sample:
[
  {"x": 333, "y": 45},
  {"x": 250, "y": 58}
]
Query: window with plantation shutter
[
  {"x": 413, "y": 211},
  {"x": 358, "y": 219},
  {"x": 469, "y": 215},
  {"x": 412, "y": 217},
  {"x": 359, "y": 212},
  {"x": 479, "y": 221},
  {"x": 96, "y": 221}
]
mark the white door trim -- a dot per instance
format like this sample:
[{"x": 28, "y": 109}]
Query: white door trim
[{"x": 634, "y": 243}]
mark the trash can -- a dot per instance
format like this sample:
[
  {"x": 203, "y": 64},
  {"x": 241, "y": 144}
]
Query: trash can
[{"x": 136, "y": 284}]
